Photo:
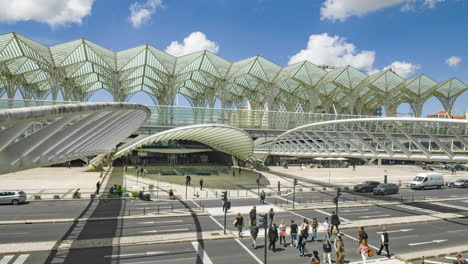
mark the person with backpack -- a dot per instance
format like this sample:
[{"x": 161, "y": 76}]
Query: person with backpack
[
  {"x": 253, "y": 215},
  {"x": 293, "y": 230},
  {"x": 282, "y": 233},
  {"x": 304, "y": 233},
  {"x": 339, "y": 249},
  {"x": 335, "y": 222},
  {"x": 302, "y": 244},
  {"x": 272, "y": 237},
  {"x": 254, "y": 234},
  {"x": 315, "y": 259},
  {"x": 362, "y": 235},
  {"x": 327, "y": 249},
  {"x": 384, "y": 242},
  {"x": 314, "y": 227},
  {"x": 239, "y": 223},
  {"x": 364, "y": 250}
]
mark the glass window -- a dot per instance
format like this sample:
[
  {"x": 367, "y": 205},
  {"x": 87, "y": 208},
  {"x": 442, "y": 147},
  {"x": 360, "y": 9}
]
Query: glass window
[{"x": 418, "y": 178}]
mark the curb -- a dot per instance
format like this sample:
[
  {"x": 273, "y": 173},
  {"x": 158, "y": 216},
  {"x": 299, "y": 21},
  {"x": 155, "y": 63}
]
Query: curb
[
  {"x": 77, "y": 220},
  {"x": 432, "y": 254}
]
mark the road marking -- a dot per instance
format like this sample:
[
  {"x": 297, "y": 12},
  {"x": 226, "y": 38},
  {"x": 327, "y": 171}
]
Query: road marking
[
  {"x": 413, "y": 208},
  {"x": 428, "y": 242},
  {"x": 354, "y": 210},
  {"x": 355, "y": 239},
  {"x": 435, "y": 262},
  {"x": 285, "y": 199},
  {"x": 150, "y": 253},
  {"x": 166, "y": 230},
  {"x": 160, "y": 222},
  {"x": 369, "y": 261},
  {"x": 21, "y": 259},
  {"x": 395, "y": 231},
  {"x": 325, "y": 213},
  {"x": 202, "y": 253},
  {"x": 463, "y": 208},
  {"x": 452, "y": 258},
  {"x": 457, "y": 231},
  {"x": 157, "y": 261},
  {"x": 249, "y": 251},
  {"x": 404, "y": 237},
  {"x": 372, "y": 216},
  {"x": 6, "y": 259}
]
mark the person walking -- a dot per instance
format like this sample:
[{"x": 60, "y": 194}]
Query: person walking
[
  {"x": 302, "y": 244},
  {"x": 111, "y": 189},
  {"x": 339, "y": 249},
  {"x": 362, "y": 235},
  {"x": 253, "y": 215},
  {"x": 239, "y": 223},
  {"x": 314, "y": 227},
  {"x": 201, "y": 184},
  {"x": 304, "y": 233},
  {"x": 262, "y": 197},
  {"x": 254, "y": 234},
  {"x": 98, "y": 186},
  {"x": 364, "y": 250},
  {"x": 293, "y": 230},
  {"x": 315, "y": 259},
  {"x": 271, "y": 216},
  {"x": 326, "y": 229},
  {"x": 460, "y": 260},
  {"x": 327, "y": 249},
  {"x": 384, "y": 242},
  {"x": 272, "y": 237},
  {"x": 335, "y": 222},
  {"x": 354, "y": 167},
  {"x": 282, "y": 233}
]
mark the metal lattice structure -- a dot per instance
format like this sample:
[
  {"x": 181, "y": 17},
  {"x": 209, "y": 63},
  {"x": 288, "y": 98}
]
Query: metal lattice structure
[
  {"x": 78, "y": 68},
  {"x": 381, "y": 138},
  {"x": 44, "y": 135}
]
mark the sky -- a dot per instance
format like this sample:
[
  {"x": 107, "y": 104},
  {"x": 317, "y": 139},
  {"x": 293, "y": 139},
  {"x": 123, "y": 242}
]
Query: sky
[{"x": 410, "y": 36}]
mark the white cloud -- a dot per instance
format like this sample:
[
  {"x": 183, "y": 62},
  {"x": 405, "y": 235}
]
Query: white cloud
[
  {"x": 453, "y": 61},
  {"x": 196, "y": 41},
  {"x": 334, "y": 51},
  {"x": 343, "y": 9},
  {"x": 52, "y": 12},
  {"x": 141, "y": 13},
  {"x": 404, "y": 69}
]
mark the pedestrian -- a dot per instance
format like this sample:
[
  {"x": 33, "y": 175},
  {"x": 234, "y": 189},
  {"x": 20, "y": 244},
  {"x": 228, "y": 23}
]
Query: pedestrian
[
  {"x": 239, "y": 223},
  {"x": 339, "y": 249},
  {"x": 364, "y": 250},
  {"x": 354, "y": 167},
  {"x": 314, "y": 228},
  {"x": 315, "y": 259},
  {"x": 171, "y": 194},
  {"x": 77, "y": 194},
  {"x": 254, "y": 234},
  {"x": 460, "y": 260},
  {"x": 98, "y": 185},
  {"x": 327, "y": 249},
  {"x": 362, "y": 235},
  {"x": 326, "y": 229},
  {"x": 233, "y": 172},
  {"x": 271, "y": 216},
  {"x": 282, "y": 233},
  {"x": 303, "y": 234},
  {"x": 384, "y": 242},
  {"x": 272, "y": 237},
  {"x": 201, "y": 184},
  {"x": 253, "y": 215},
  {"x": 262, "y": 197},
  {"x": 188, "y": 179},
  {"x": 293, "y": 230},
  {"x": 240, "y": 170},
  {"x": 335, "y": 222},
  {"x": 68, "y": 164},
  {"x": 111, "y": 189}
]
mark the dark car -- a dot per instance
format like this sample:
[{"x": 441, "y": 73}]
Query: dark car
[
  {"x": 460, "y": 183},
  {"x": 386, "y": 188},
  {"x": 367, "y": 186}
]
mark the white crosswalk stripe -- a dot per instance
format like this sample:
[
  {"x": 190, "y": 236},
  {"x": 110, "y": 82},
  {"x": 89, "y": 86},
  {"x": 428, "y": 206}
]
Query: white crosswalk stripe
[
  {"x": 463, "y": 208},
  {"x": 20, "y": 260},
  {"x": 413, "y": 208}
]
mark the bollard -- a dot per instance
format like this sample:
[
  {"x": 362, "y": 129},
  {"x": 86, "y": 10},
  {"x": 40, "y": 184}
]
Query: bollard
[
  {"x": 310, "y": 201},
  {"x": 424, "y": 197},
  {"x": 401, "y": 198},
  {"x": 144, "y": 211},
  {"x": 298, "y": 201},
  {"x": 216, "y": 194},
  {"x": 413, "y": 197},
  {"x": 422, "y": 260},
  {"x": 237, "y": 193},
  {"x": 203, "y": 207},
  {"x": 172, "y": 208},
  {"x": 321, "y": 199},
  {"x": 343, "y": 200},
  {"x": 128, "y": 211},
  {"x": 158, "y": 209}
]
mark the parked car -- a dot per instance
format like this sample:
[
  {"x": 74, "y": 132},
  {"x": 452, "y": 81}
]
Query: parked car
[
  {"x": 367, "y": 186},
  {"x": 386, "y": 188},
  {"x": 427, "y": 180},
  {"x": 460, "y": 183},
  {"x": 12, "y": 197},
  {"x": 440, "y": 166}
]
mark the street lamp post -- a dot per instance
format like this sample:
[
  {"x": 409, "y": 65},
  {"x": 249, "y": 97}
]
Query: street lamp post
[{"x": 294, "y": 192}]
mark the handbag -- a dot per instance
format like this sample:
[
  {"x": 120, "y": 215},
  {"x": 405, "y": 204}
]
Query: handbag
[
  {"x": 370, "y": 253},
  {"x": 282, "y": 233}
]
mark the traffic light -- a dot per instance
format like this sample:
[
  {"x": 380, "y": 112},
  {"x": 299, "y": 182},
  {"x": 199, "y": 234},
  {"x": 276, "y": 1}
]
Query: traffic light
[
  {"x": 335, "y": 199},
  {"x": 295, "y": 181},
  {"x": 263, "y": 220},
  {"x": 224, "y": 196},
  {"x": 338, "y": 192},
  {"x": 226, "y": 206}
]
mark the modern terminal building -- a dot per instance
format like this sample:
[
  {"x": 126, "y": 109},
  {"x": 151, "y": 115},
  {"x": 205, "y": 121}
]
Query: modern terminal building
[{"x": 249, "y": 111}]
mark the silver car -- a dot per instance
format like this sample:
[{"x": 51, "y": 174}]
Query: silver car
[
  {"x": 460, "y": 183},
  {"x": 12, "y": 197}
]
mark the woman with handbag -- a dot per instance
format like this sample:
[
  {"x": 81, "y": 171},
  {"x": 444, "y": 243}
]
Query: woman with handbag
[
  {"x": 282, "y": 233},
  {"x": 364, "y": 250}
]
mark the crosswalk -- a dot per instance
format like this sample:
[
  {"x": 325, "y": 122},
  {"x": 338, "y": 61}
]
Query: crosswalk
[
  {"x": 414, "y": 208},
  {"x": 463, "y": 208},
  {"x": 12, "y": 259}
]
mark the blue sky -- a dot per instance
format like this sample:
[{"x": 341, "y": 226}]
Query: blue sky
[{"x": 420, "y": 35}]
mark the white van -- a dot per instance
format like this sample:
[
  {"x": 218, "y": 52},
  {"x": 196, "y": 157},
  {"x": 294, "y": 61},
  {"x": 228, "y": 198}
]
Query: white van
[{"x": 427, "y": 180}]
